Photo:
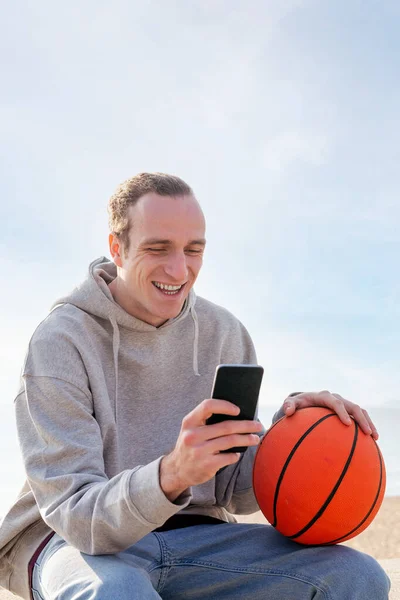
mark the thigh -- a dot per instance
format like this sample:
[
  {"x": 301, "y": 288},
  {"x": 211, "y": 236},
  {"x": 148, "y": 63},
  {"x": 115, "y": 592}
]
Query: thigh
[
  {"x": 62, "y": 572},
  {"x": 255, "y": 561}
]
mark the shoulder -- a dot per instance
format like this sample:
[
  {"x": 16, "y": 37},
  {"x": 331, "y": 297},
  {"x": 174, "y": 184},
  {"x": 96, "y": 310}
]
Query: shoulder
[
  {"x": 221, "y": 329},
  {"x": 214, "y": 311},
  {"x": 64, "y": 322},
  {"x": 56, "y": 342},
  {"x": 216, "y": 316}
]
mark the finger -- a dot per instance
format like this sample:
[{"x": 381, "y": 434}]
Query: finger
[
  {"x": 199, "y": 415},
  {"x": 337, "y": 403},
  {"x": 367, "y": 425},
  {"x": 361, "y": 419},
  {"x": 374, "y": 430},
  {"x": 232, "y": 441},
  {"x": 360, "y": 415},
  {"x": 225, "y": 459},
  {"x": 231, "y": 426},
  {"x": 228, "y": 427}
]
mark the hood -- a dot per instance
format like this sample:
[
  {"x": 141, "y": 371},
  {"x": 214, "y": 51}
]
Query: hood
[{"x": 94, "y": 297}]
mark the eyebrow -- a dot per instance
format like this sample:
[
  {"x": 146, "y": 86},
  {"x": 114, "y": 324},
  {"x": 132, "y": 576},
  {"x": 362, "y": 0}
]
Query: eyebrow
[{"x": 155, "y": 241}]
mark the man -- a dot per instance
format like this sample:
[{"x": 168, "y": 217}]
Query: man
[{"x": 128, "y": 494}]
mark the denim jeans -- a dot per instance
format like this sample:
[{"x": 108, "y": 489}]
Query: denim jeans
[{"x": 207, "y": 562}]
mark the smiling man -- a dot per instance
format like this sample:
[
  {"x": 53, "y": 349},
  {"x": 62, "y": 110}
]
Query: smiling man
[
  {"x": 128, "y": 493},
  {"x": 157, "y": 259}
]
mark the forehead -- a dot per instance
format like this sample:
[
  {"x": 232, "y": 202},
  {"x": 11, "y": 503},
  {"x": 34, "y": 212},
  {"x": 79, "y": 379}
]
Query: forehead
[{"x": 167, "y": 217}]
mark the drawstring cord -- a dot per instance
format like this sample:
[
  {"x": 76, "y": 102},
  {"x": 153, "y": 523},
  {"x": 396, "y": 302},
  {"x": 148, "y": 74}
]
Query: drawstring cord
[
  {"x": 195, "y": 341},
  {"x": 116, "y": 342}
]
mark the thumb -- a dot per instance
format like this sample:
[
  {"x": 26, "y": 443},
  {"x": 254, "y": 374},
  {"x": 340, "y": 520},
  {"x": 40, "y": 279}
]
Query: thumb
[{"x": 289, "y": 407}]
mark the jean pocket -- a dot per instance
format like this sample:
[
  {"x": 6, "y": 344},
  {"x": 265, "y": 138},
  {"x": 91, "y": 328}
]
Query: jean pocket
[
  {"x": 50, "y": 548},
  {"x": 36, "y": 595}
]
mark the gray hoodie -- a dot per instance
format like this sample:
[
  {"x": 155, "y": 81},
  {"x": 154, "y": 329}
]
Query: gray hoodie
[{"x": 102, "y": 399}]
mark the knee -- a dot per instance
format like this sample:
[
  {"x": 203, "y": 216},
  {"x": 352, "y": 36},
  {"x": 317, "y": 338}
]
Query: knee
[
  {"x": 363, "y": 574},
  {"x": 376, "y": 582}
]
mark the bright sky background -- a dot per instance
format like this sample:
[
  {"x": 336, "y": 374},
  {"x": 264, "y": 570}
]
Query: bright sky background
[{"x": 283, "y": 115}]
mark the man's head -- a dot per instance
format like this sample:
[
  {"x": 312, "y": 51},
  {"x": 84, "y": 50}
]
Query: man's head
[{"x": 157, "y": 239}]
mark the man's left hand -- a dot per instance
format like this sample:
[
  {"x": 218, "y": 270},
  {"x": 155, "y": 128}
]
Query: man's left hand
[{"x": 343, "y": 408}]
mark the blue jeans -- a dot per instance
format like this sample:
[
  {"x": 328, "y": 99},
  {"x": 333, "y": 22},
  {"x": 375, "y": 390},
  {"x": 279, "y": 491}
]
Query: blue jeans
[{"x": 207, "y": 562}]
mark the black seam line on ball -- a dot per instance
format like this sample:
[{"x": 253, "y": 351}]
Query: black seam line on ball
[
  {"x": 343, "y": 537},
  {"x": 289, "y": 458},
  {"x": 333, "y": 492}
]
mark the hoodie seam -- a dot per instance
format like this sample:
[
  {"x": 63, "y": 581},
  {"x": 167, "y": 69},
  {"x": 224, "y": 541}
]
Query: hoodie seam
[
  {"x": 89, "y": 397},
  {"x": 243, "y": 490}
]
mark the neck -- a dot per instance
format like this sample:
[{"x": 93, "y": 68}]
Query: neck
[{"x": 117, "y": 289}]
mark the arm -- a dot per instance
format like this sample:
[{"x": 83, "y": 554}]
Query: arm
[
  {"x": 62, "y": 451},
  {"x": 92, "y": 506}
]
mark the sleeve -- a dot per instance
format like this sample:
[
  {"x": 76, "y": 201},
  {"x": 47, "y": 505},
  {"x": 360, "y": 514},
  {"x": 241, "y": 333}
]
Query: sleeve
[
  {"x": 234, "y": 484},
  {"x": 62, "y": 450}
]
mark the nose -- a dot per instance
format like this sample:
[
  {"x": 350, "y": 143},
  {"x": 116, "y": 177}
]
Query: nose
[{"x": 176, "y": 267}]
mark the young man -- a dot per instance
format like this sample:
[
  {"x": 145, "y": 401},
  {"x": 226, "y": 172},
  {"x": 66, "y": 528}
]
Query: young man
[{"x": 128, "y": 494}]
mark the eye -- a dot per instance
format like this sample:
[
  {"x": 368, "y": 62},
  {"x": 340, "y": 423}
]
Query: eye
[
  {"x": 156, "y": 249},
  {"x": 195, "y": 251}
]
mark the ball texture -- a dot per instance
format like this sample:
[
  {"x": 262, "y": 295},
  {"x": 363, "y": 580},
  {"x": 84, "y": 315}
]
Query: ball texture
[{"x": 317, "y": 480}]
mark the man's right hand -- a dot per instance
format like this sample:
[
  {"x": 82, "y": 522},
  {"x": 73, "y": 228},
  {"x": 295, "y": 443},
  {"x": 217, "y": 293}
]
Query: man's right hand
[{"x": 197, "y": 455}]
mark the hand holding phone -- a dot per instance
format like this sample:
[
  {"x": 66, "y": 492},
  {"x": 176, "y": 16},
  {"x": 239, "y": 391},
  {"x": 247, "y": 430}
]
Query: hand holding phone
[
  {"x": 239, "y": 384},
  {"x": 197, "y": 455}
]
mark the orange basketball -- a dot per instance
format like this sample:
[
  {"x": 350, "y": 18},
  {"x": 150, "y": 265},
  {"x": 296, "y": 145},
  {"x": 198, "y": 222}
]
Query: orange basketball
[{"x": 317, "y": 480}]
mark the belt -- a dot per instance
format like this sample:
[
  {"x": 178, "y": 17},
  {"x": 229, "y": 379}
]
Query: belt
[
  {"x": 186, "y": 520},
  {"x": 34, "y": 559}
]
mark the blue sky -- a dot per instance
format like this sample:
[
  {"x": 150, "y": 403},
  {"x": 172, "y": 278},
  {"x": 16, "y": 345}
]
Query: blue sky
[{"x": 282, "y": 115}]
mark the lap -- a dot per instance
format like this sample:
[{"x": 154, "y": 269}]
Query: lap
[
  {"x": 256, "y": 557},
  {"x": 62, "y": 572},
  {"x": 207, "y": 561}
]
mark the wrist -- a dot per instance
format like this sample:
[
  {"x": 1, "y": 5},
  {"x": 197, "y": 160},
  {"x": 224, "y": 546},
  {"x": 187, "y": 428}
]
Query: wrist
[{"x": 170, "y": 482}]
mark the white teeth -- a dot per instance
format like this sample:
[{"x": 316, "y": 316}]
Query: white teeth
[{"x": 172, "y": 288}]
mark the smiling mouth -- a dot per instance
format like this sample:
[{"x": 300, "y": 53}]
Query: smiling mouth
[{"x": 169, "y": 290}]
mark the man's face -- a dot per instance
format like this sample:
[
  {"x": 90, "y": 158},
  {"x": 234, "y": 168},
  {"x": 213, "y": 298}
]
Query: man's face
[{"x": 167, "y": 240}]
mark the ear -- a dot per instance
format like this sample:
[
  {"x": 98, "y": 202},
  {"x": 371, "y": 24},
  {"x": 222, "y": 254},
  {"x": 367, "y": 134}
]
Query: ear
[{"x": 115, "y": 249}]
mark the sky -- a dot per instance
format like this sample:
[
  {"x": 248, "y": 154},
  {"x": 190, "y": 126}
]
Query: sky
[{"x": 283, "y": 117}]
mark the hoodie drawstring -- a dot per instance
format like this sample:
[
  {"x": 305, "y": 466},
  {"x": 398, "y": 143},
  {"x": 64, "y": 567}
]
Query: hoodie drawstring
[
  {"x": 116, "y": 343},
  {"x": 195, "y": 341}
]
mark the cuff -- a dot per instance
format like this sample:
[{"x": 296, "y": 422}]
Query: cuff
[{"x": 147, "y": 499}]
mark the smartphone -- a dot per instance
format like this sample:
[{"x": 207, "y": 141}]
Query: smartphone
[{"x": 240, "y": 384}]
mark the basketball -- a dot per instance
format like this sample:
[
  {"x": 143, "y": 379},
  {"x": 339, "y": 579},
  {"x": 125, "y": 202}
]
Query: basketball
[{"x": 317, "y": 480}]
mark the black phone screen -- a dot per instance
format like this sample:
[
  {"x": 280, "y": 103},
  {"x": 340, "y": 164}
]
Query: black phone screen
[{"x": 239, "y": 384}]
